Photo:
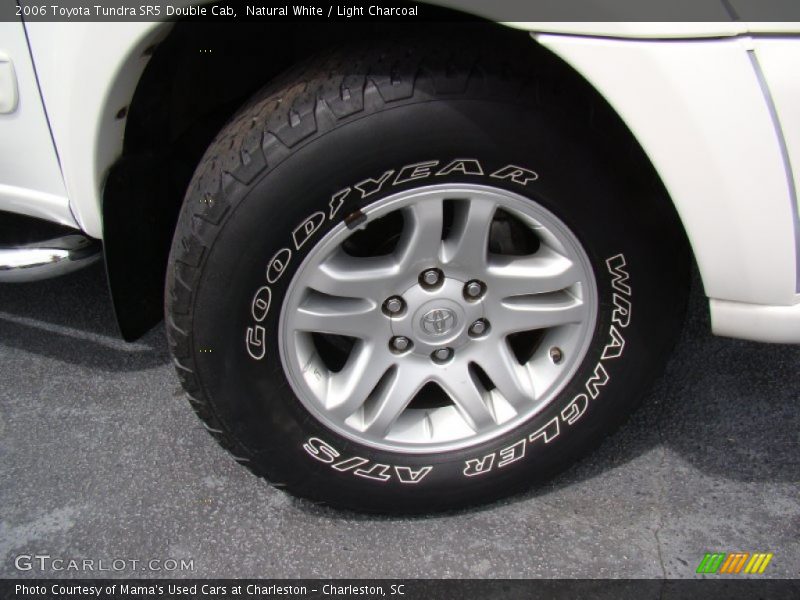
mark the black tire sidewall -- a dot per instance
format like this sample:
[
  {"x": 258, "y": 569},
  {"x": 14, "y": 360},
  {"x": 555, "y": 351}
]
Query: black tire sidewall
[{"x": 576, "y": 181}]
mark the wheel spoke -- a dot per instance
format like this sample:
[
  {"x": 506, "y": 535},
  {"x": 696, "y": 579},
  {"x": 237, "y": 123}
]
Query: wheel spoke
[
  {"x": 468, "y": 397},
  {"x": 467, "y": 244},
  {"x": 545, "y": 272},
  {"x": 421, "y": 240},
  {"x": 352, "y": 277},
  {"x": 349, "y": 389},
  {"x": 512, "y": 380},
  {"x": 352, "y": 317},
  {"x": 393, "y": 396},
  {"x": 528, "y": 313}
]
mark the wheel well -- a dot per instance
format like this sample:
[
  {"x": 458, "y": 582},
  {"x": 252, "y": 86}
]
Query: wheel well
[{"x": 198, "y": 77}]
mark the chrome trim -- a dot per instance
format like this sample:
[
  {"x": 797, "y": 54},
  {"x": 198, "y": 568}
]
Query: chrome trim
[{"x": 51, "y": 258}]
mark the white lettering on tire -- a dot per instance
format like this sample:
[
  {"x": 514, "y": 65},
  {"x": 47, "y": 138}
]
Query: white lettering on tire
[
  {"x": 363, "y": 467},
  {"x": 465, "y": 166},
  {"x": 307, "y": 228},
  {"x": 373, "y": 186},
  {"x": 256, "y": 342},
  {"x": 479, "y": 466},
  {"x": 277, "y": 265},
  {"x": 516, "y": 174},
  {"x": 409, "y": 475},
  {"x": 415, "y": 171},
  {"x": 336, "y": 201},
  {"x": 321, "y": 450},
  {"x": 512, "y": 453},
  {"x": 262, "y": 300},
  {"x": 547, "y": 433}
]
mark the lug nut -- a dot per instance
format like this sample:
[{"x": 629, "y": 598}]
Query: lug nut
[
  {"x": 401, "y": 343},
  {"x": 394, "y": 305},
  {"x": 556, "y": 354},
  {"x": 473, "y": 289},
  {"x": 478, "y": 328},
  {"x": 442, "y": 355},
  {"x": 431, "y": 277}
]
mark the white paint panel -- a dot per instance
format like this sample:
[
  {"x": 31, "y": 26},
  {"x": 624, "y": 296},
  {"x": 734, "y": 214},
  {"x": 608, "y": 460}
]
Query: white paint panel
[
  {"x": 783, "y": 27},
  {"x": 34, "y": 203},
  {"x": 776, "y": 324},
  {"x": 780, "y": 62},
  {"x": 30, "y": 177},
  {"x": 88, "y": 72},
  {"x": 697, "y": 109}
]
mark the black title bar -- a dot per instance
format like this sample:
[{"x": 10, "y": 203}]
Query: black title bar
[
  {"x": 496, "y": 10},
  {"x": 398, "y": 589}
]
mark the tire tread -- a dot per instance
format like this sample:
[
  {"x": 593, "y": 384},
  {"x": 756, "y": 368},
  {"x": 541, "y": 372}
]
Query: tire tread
[{"x": 310, "y": 99}]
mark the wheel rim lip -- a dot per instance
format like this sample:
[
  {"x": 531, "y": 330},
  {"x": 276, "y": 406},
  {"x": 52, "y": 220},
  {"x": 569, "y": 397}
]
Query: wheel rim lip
[{"x": 518, "y": 205}]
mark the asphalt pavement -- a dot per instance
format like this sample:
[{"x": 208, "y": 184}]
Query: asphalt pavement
[{"x": 102, "y": 459}]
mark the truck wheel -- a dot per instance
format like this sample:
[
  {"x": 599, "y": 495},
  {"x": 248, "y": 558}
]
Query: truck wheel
[{"x": 409, "y": 280}]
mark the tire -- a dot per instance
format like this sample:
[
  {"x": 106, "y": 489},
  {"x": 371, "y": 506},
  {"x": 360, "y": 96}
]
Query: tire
[{"x": 304, "y": 170}]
